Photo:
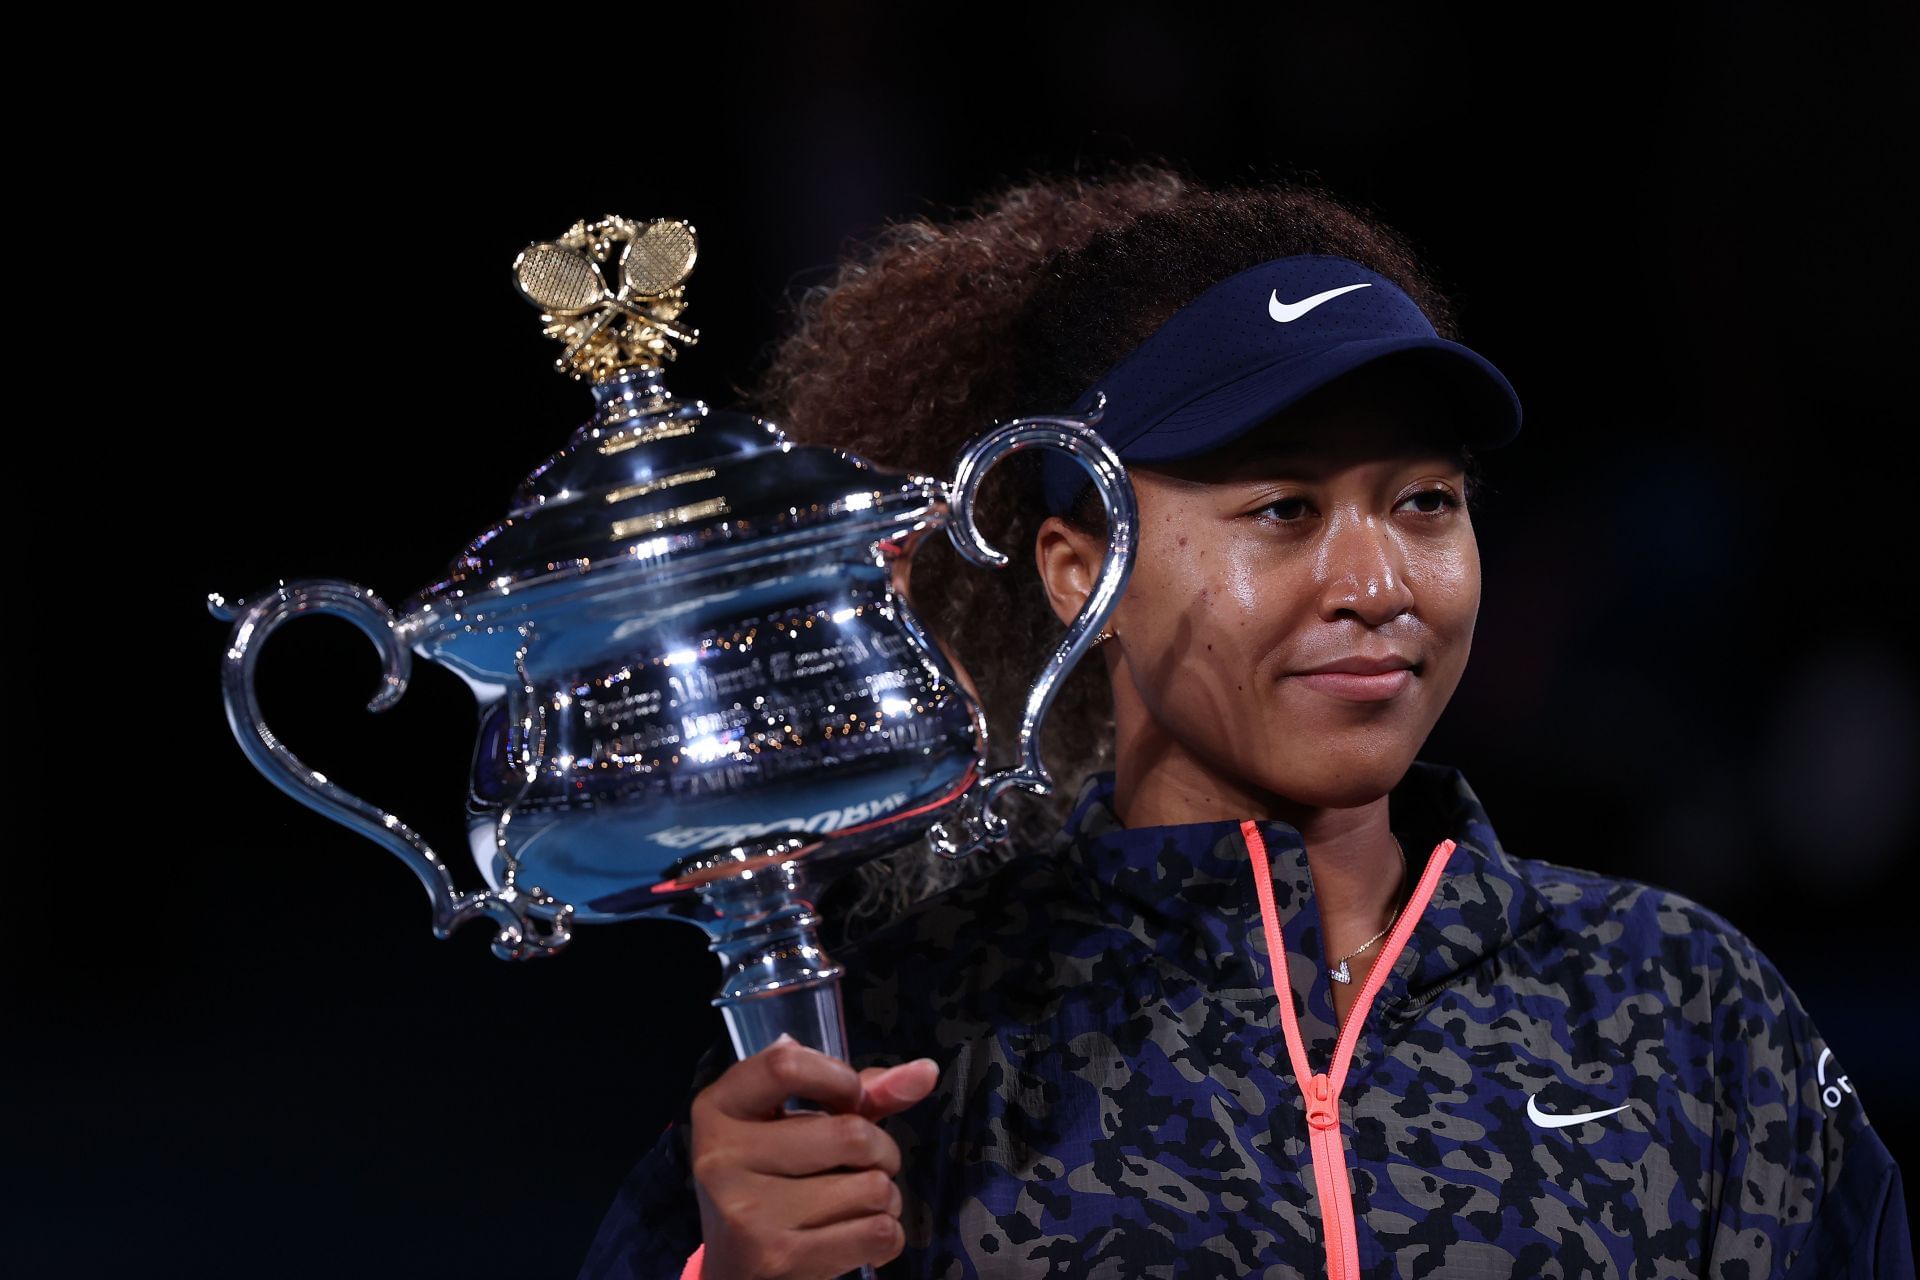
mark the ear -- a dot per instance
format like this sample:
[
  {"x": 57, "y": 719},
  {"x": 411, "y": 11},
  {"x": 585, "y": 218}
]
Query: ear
[{"x": 1069, "y": 561}]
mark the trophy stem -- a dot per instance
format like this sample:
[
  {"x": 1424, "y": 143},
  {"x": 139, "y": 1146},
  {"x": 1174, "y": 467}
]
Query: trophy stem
[{"x": 775, "y": 975}]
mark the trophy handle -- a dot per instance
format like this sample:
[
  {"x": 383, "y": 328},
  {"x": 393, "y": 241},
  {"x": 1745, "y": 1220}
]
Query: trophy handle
[
  {"x": 530, "y": 924},
  {"x": 975, "y": 824}
]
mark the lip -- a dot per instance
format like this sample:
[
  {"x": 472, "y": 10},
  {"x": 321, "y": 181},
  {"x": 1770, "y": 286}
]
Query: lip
[
  {"x": 1352, "y": 686},
  {"x": 1361, "y": 665},
  {"x": 1360, "y": 678}
]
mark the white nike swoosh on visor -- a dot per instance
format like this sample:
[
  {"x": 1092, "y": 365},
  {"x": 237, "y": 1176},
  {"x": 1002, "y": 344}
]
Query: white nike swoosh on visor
[
  {"x": 1287, "y": 312},
  {"x": 1545, "y": 1121}
]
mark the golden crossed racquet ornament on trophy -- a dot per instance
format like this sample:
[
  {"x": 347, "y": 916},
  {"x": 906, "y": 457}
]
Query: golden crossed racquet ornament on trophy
[{"x": 607, "y": 329}]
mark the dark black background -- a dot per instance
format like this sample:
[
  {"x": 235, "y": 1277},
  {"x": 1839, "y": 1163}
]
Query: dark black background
[{"x": 238, "y": 1049}]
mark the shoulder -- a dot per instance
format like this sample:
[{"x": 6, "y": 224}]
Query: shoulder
[
  {"x": 1625, "y": 925},
  {"x": 1802, "y": 1179},
  {"x": 1639, "y": 964},
  {"x": 992, "y": 901},
  {"x": 1004, "y": 946},
  {"x": 1630, "y": 936}
]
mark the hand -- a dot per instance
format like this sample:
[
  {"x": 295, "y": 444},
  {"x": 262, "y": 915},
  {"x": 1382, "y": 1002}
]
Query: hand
[{"x": 800, "y": 1196}]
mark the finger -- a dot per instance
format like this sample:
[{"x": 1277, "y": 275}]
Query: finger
[
  {"x": 840, "y": 1247},
  {"x": 755, "y": 1088},
  {"x": 869, "y": 1075},
  {"x": 836, "y": 1197},
  {"x": 897, "y": 1088},
  {"x": 803, "y": 1144}
]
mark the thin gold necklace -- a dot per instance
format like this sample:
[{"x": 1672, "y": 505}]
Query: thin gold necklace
[{"x": 1339, "y": 972}]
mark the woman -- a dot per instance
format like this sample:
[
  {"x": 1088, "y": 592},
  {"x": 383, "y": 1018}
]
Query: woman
[{"x": 1472, "y": 1063}]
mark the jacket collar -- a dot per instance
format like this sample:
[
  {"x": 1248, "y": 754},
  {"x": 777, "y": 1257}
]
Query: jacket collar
[{"x": 1191, "y": 885}]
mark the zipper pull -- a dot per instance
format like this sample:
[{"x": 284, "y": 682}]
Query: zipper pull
[{"x": 1323, "y": 1111}]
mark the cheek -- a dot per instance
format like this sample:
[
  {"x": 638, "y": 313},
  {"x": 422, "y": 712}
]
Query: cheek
[
  {"x": 1445, "y": 581},
  {"x": 1241, "y": 609},
  {"x": 1240, "y": 582},
  {"x": 1187, "y": 582},
  {"x": 1205, "y": 611}
]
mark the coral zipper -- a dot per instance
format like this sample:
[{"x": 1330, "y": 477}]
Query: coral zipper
[{"x": 1322, "y": 1092}]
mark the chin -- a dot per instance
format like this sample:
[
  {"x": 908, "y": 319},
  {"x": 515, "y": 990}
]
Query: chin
[{"x": 1337, "y": 779}]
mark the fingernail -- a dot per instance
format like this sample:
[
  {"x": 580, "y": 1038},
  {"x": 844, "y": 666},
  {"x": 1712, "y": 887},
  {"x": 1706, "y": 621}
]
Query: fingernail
[{"x": 782, "y": 1036}]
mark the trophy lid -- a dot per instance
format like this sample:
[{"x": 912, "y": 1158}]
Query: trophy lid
[{"x": 651, "y": 488}]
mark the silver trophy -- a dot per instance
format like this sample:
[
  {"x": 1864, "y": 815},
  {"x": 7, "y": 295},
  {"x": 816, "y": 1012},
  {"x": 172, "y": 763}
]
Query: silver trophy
[{"x": 700, "y": 696}]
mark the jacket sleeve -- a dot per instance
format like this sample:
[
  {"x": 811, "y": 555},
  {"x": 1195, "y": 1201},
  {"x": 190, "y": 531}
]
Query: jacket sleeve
[
  {"x": 652, "y": 1229},
  {"x": 1807, "y": 1188}
]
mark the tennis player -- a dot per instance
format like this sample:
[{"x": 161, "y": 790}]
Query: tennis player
[{"x": 1265, "y": 994}]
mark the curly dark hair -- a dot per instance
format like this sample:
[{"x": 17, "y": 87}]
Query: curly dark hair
[{"x": 929, "y": 331}]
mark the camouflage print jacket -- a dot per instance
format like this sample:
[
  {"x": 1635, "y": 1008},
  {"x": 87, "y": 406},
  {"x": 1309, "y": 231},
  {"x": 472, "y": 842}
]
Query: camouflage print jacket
[{"x": 1121, "y": 1094}]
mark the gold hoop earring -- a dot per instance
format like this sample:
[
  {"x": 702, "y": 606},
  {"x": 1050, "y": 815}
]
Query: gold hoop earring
[{"x": 1101, "y": 639}]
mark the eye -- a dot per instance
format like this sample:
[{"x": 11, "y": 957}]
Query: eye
[
  {"x": 1447, "y": 501},
  {"x": 1440, "y": 501},
  {"x": 1282, "y": 510}
]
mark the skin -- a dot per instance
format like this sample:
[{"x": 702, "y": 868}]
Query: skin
[
  {"x": 800, "y": 1196},
  {"x": 1310, "y": 538}
]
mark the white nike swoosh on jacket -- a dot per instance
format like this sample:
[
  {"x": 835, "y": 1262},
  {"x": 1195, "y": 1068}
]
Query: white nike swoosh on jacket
[{"x": 1545, "y": 1121}]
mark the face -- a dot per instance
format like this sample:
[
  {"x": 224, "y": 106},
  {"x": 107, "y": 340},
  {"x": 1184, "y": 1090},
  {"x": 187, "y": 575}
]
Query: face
[{"x": 1339, "y": 530}]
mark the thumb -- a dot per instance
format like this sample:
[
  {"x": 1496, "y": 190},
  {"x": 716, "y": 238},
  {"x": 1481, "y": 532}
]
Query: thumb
[{"x": 883, "y": 1092}]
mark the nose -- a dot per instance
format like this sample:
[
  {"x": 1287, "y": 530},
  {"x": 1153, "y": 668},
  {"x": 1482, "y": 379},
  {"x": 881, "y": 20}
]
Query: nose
[{"x": 1361, "y": 569}]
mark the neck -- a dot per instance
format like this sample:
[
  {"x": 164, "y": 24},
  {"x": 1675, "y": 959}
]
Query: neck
[{"x": 1356, "y": 866}]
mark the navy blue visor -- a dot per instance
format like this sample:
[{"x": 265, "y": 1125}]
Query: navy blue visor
[{"x": 1258, "y": 341}]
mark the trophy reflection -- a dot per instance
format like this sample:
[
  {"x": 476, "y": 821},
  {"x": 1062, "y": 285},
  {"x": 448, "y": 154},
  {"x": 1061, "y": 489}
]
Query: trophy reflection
[{"x": 699, "y": 695}]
